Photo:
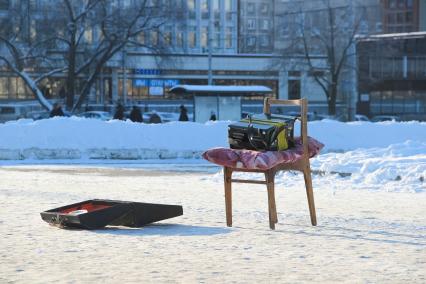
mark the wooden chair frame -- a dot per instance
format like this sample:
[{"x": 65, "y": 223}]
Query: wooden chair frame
[{"x": 302, "y": 165}]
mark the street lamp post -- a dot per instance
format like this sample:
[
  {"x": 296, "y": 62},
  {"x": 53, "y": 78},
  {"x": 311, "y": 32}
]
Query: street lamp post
[
  {"x": 353, "y": 73},
  {"x": 209, "y": 42}
]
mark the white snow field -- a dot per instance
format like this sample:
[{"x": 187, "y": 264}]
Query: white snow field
[
  {"x": 362, "y": 236},
  {"x": 369, "y": 185}
]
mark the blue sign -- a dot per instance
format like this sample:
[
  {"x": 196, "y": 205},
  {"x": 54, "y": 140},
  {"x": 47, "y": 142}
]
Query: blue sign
[
  {"x": 155, "y": 82},
  {"x": 171, "y": 82},
  {"x": 141, "y": 83},
  {"x": 148, "y": 71}
]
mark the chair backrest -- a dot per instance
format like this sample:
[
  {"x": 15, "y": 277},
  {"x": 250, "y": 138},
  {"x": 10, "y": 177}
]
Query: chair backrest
[{"x": 303, "y": 103}]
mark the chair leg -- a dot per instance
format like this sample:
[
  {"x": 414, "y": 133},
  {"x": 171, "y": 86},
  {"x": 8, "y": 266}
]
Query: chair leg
[
  {"x": 270, "y": 185},
  {"x": 228, "y": 195},
  {"x": 310, "y": 194}
]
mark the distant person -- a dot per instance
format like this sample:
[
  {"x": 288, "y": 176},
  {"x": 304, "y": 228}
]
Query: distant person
[
  {"x": 183, "y": 113},
  {"x": 62, "y": 92},
  {"x": 212, "y": 116},
  {"x": 119, "y": 112},
  {"x": 136, "y": 115},
  {"x": 56, "y": 110},
  {"x": 154, "y": 118}
]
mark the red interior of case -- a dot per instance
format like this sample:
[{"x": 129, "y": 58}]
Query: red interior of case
[{"x": 86, "y": 206}]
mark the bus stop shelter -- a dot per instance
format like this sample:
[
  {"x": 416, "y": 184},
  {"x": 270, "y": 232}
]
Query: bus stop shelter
[{"x": 223, "y": 101}]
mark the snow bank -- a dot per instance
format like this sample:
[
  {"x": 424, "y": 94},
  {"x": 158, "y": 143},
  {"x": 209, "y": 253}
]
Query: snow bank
[
  {"x": 387, "y": 156},
  {"x": 77, "y": 138},
  {"x": 81, "y": 138},
  {"x": 350, "y": 136},
  {"x": 393, "y": 168},
  {"x": 370, "y": 153}
]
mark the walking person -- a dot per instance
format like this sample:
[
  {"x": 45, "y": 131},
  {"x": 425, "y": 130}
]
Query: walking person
[
  {"x": 119, "y": 112},
  {"x": 56, "y": 110},
  {"x": 154, "y": 118},
  {"x": 183, "y": 113},
  {"x": 136, "y": 115}
]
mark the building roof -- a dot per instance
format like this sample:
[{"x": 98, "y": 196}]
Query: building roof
[
  {"x": 219, "y": 90},
  {"x": 392, "y": 36}
]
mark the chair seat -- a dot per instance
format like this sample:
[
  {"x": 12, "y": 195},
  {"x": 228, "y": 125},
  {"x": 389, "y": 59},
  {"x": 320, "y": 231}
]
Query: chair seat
[{"x": 256, "y": 160}]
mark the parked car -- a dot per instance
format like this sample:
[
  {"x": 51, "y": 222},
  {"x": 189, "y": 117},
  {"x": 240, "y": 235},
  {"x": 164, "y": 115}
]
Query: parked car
[
  {"x": 361, "y": 117},
  {"x": 102, "y": 115},
  {"x": 165, "y": 116},
  {"x": 36, "y": 115},
  {"x": 379, "y": 118},
  {"x": 13, "y": 111}
]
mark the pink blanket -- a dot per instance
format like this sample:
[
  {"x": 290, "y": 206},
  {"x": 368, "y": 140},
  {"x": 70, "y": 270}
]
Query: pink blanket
[{"x": 249, "y": 159}]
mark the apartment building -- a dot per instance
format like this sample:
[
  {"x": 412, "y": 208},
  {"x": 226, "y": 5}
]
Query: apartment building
[
  {"x": 400, "y": 16},
  {"x": 392, "y": 75}
]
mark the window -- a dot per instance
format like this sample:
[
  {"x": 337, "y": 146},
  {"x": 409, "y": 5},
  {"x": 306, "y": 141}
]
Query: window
[
  {"x": 215, "y": 4},
  {"x": 409, "y": 3},
  {"x": 251, "y": 7},
  {"x": 293, "y": 89},
  {"x": 251, "y": 24},
  {"x": 228, "y": 9},
  {"x": 4, "y": 87},
  {"x": 409, "y": 17},
  {"x": 4, "y": 4},
  {"x": 33, "y": 4},
  {"x": 191, "y": 4},
  {"x": 264, "y": 24},
  {"x": 179, "y": 39},
  {"x": 400, "y": 18},
  {"x": 154, "y": 37},
  {"x": 392, "y": 18},
  {"x": 191, "y": 8},
  {"x": 251, "y": 41},
  {"x": 265, "y": 40},
  {"x": 264, "y": 8},
  {"x": 141, "y": 38},
  {"x": 192, "y": 39},
  {"x": 204, "y": 9},
  {"x": 216, "y": 40},
  {"x": 88, "y": 35},
  {"x": 216, "y": 10},
  {"x": 33, "y": 31},
  {"x": 228, "y": 5},
  {"x": 167, "y": 37},
  {"x": 204, "y": 37},
  {"x": 228, "y": 38},
  {"x": 392, "y": 4}
]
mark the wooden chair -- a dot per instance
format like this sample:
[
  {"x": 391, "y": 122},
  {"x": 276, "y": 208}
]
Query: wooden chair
[{"x": 301, "y": 165}]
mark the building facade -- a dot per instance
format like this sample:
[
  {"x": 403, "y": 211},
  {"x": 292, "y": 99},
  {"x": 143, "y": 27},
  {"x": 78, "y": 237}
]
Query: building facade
[
  {"x": 244, "y": 39},
  {"x": 401, "y": 16},
  {"x": 392, "y": 75}
]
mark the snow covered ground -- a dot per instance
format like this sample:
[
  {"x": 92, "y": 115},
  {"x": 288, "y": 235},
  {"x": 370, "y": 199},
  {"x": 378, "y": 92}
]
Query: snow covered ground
[
  {"x": 369, "y": 185},
  {"x": 362, "y": 236}
]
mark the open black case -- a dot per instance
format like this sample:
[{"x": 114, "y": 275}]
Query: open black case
[{"x": 98, "y": 213}]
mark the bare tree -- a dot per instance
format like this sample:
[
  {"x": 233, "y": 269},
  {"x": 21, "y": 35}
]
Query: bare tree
[
  {"x": 20, "y": 54},
  {"x": 110, "y": 27},
  {"x": 86, "y": 35},
  {"x": 327, "y": 32}
]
